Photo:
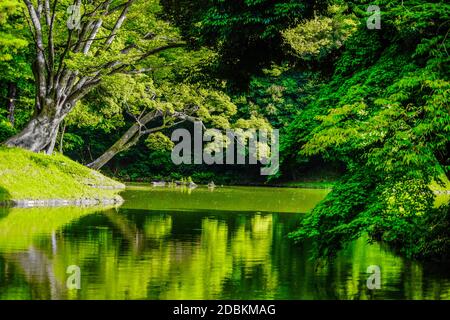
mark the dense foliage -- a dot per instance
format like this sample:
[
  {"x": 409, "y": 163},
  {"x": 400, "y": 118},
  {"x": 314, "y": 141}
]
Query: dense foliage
[
  {"x": 385, "y": 114},
  {"x": 246, "y": 33}
]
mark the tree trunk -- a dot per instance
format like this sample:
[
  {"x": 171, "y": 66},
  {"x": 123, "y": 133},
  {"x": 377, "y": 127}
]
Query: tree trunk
[
  {"x": 61, "y": 140},
  {"x": 11, "y": 105},
  {"x": 120, "y": 145},
  {"x": 127, "y": 140},
  {"x": 51, "y": 146},
  {"x": 40, "y": 132}
]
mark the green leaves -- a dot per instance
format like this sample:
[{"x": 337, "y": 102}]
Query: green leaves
[
  {"x": 246, "y": 34},
  {"x": 320, "y": 35},
  {"x": 13, "y": 39},
  {"x": 276, "y": 96},
  {"x": 385, "y": 113},
  {"x": 159, "y": 142}
]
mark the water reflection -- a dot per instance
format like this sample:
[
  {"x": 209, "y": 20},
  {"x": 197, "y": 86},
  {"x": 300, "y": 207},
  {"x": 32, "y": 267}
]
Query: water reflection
[{"x": 137, "y": 253}]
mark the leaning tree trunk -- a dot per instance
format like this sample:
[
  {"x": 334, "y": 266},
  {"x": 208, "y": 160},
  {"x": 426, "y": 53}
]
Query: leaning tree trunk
[
  {"x": 127, "y": 140},
  {"x": 98, "y": 163}
]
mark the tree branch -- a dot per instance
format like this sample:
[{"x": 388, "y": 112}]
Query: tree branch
[
  {"x": 50, "y": 18},
  {"x": 40, "y": 57},
  {"x": 78, "y": 94},
  {"x": 117, "y": 26},
  {"x": 160, "y": 49},
  {"x": 121, "y": 68}
]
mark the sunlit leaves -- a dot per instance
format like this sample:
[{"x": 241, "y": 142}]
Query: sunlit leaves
[
  {"x": 322, "y": 33},
  {"x": 158, "y": 142}
]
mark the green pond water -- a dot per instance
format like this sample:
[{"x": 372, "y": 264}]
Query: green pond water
[{"x": 226, "y": 243}]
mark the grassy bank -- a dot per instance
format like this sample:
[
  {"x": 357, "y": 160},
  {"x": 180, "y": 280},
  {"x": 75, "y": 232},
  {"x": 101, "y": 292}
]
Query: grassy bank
[{"x": 27, "y": 175}]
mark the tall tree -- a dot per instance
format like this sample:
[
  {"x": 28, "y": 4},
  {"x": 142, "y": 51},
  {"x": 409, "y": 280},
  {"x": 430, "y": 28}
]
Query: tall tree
[{"x": 73, "y": 54}]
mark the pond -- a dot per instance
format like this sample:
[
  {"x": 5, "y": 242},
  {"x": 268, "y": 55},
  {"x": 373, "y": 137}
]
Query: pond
[{"x": 174, "y": 243}]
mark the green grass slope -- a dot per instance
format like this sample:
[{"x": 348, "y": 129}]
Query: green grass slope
[{"x": 28, "y": 175}]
